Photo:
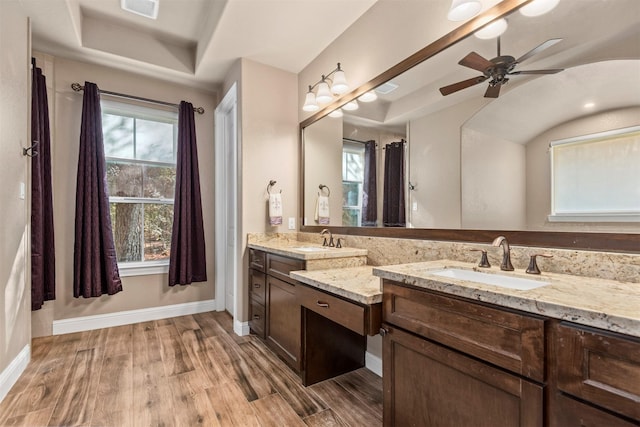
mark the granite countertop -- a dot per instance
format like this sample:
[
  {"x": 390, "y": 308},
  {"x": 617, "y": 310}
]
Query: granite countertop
[
  {"x": 605, "y": 304},
  {"x": 304, "y": 250},
  {"x": 355, "y": 283}
]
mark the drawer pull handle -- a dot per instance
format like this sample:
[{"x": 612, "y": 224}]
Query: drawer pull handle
[
  {"x": 256, "y": 285},
  {"x": 383, "y": 331},
  {"x": 322, "y": 304},
  {"x": 256, "y": 316}
]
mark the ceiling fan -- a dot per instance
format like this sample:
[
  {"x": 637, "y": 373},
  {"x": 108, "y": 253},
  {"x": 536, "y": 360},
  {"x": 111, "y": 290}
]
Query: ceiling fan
[{"x": 497, "y": 69}]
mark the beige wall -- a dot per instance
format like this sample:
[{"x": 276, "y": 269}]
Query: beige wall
[
  {"x": 139, "y": 291},
  {"x": 493, "y": 182},
  {"x": 268, "y": 139},
  {"x": 15, "y": 295},
  {"x": 539, "y": 173}
]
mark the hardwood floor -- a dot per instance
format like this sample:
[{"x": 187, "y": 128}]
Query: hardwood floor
[{"x": 184, "y": 371}]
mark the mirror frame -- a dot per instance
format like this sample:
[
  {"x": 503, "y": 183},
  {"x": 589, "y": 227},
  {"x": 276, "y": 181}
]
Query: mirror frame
[{"x": 592, "y": 241}]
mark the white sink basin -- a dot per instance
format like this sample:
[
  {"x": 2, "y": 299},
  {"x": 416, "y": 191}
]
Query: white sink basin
[
  {"x": 310, "y": 249},
  {"x": 490, "y": 279}
]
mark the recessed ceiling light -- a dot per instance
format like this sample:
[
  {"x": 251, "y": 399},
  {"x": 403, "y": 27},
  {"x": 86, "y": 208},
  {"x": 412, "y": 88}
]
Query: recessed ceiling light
[
  {"x": 386, "y": 88},
  {"x": 146, "y": 8}
]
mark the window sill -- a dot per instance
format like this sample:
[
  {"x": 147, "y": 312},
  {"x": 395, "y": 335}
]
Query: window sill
[
  {"x": 143, "y": 268},
  {"x": 603, "y": 217}
]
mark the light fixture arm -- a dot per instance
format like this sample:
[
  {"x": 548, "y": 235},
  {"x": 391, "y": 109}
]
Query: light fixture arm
[{"x": 325, "y": 78}]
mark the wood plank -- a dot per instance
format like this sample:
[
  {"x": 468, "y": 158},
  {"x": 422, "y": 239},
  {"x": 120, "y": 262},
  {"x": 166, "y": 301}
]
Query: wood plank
[
  {"x": 365, "y": 386},
  {"x": 190, "y": 402},
  {"x": 303, "y": 401},
  {"x": 204, "y": 358},
  {"x": 115, "y": 392},
  {"x": 119, "y": 340},
  {"x": 231, "y": 406},
  {"x": 38, "y": 418},
  {"x": 174, "y": 356},
  {"x": 208, "y": 324},
  {"x": 94, "y": 339},
  {"x": 346, "y": 405},
  {"x": 244, "y": 372},
  {"x": 185, "y": 323},
  {"x": 273, "y": 411},
  {"x": 77, "y": 398},
  {"x": 326, "y": 418},
  {"x": 146, "y": 344}
]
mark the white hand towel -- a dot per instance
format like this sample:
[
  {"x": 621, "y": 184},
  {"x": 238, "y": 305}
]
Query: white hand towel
[
  {"x": 275, "y": 209},
  {"x": 322, "y": 210}
]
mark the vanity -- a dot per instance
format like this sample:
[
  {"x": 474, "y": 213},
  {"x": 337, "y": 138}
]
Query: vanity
[
  {"x": 458, "y": 352},
  {"x": 320, "y": 327}
]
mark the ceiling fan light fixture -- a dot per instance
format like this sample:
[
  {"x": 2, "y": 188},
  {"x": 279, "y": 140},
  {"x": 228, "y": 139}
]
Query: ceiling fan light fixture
[
  {"x": 461, "y": 10},
  {"x": 538, "y": 7},
  {"x": 146, "y": 8},
  {"x": 493, "y": 30}
]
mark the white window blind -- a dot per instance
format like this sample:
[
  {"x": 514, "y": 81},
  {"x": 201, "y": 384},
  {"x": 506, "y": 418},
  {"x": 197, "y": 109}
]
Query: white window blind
[{"x": 596, "y": 178}]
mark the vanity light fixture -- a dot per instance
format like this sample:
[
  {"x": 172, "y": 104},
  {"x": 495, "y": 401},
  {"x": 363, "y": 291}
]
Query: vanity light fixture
[
  {"x": 325, "y": 93},
  {"x": 538, "y": 7},
  {"x": 350, "y": 106},
  {"x": 336, "y": 113},
  {"x": 461, "y": 10},
  {"x": 368, "y": 96},
  {"x": 589, "y": 105},
  {"x": 493, "y": 30},
  {"x": 146, "y": 8}
]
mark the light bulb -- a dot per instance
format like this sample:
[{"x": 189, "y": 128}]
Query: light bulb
[
  {"x": 538, "y": 7},
  {"x": 462, "y": 10},
  {"x": 323, "y": 96},
  {"x": 310, "y": 103},
  {"x": 368, "y": 96},
  {"x": 493, "y": 30}
]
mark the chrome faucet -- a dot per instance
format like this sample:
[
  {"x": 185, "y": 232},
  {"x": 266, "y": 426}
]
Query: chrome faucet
[
  {"x": 506, "y": 253},
  {"x": 325, "y": 243}
]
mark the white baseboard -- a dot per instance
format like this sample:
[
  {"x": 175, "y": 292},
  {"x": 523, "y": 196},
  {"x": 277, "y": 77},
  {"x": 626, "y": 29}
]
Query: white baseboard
[
  {"x": 88, "y": 323},
  {"x": 240, "y": 328},
  {"x": 373, "y": 363},
  {"x": 10, "y": 375}
]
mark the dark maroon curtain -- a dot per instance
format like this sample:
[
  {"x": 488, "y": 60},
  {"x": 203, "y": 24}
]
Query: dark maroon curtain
[
  {"x": 187, "y": 261},
  {"x": 43, "y": 270},
  {"x": 95, "y": 266},
  {"x": 369, "y": 186},
  {"x": 393, "y": 214}
]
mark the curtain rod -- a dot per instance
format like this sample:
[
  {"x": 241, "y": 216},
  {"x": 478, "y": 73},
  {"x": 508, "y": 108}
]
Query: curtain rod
[
  {"x": 354, "y": 140},
  {"x": 78, "y": 87}
]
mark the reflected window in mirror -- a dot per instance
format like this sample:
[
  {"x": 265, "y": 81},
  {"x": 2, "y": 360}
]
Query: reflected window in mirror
[{"x": 352, "y": 181}]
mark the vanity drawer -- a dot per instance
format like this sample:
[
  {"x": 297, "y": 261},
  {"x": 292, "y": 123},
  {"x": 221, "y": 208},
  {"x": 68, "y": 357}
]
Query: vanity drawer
[
  {"x": 512, "y": 340},
  {"x": 347, "y": 314},
  {"x": 257, "y": 318},
  {"x": 599, "y": 367},
  {"x": 280, "y": 266},
  {"x": 257, "y": 286},
  {"x": 257, "y": 259}
]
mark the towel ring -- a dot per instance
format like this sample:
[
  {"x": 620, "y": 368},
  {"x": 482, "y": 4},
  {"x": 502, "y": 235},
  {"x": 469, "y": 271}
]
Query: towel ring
[
  {"x": 270, "y": 185},
  {"x": 323, "y": 187}
]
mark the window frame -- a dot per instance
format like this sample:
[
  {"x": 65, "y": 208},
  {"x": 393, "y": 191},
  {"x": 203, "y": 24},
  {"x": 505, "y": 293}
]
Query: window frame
[
  {"x": 161, "y": 115},
  {"x": 589, "y": 216},
  {"x": 354, "y": 148}
]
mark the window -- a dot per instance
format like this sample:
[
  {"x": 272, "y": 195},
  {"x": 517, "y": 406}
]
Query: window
[
  {"x": 596, "y": 178},
  {"x": 140, "y": 151},
  {"x": 352, "y": 179}
]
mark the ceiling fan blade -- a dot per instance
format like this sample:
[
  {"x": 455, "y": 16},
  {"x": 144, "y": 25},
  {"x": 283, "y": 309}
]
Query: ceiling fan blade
[
  {"x": 475, "y": 61},
  {"x": 447, "y": 90},
  {"x": 552, "y": 71},
  {"x": 538, "y": 49},
  {"x": 493, "y": 91}
]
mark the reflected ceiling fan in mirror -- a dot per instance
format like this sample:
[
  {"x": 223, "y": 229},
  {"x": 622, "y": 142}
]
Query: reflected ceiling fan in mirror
[{"x": 497, "y": 69}]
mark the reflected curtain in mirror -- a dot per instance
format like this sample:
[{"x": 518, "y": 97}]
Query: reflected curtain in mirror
[
  {"x": 187, "y": 262},
  {"x": 43, "y": 273},
  {"x": 393, "y": 212},
  {"x": 369, "y": 186},
  {"x": 95, "y": 266}
]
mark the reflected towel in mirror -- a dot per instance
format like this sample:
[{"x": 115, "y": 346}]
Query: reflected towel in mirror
[
  {"x": 322, "y": 215},
  {"x": 275, "y": 209}
]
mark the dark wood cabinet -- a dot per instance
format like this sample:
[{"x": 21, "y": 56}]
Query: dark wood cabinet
[
  {"x": 283, "y": 321},
  {"x": 602, "y": 370},
  {"x": 257, "y": 292},
  {"x": 448, "y": 361},
  {"x": 427, "y": 384}
]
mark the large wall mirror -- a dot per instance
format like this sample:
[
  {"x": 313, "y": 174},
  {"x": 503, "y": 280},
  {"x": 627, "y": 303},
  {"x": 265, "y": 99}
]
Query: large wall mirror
[{"x": 462, "y": 166}]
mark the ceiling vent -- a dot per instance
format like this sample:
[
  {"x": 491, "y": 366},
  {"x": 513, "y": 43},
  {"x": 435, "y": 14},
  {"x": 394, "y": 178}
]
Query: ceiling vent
[
  {"x": 148, "y": 8},
  {"x": 386, "y": 88}
]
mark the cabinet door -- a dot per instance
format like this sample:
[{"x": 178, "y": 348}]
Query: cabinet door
[
  {"x": 426, "y": 384},
  {"x": 572, "y": 413},
  {"x": 283, "y": 321}
]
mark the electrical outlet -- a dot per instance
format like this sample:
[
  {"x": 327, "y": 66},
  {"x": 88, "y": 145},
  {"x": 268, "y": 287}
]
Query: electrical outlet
[{"x": 292, "y": 223}]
